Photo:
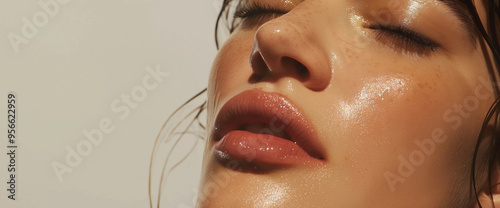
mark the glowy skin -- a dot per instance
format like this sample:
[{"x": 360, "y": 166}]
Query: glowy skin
[{"x": 398, "y": 125}]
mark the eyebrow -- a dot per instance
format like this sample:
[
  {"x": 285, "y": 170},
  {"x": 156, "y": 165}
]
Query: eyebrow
[{"x": 460, "y": 9}]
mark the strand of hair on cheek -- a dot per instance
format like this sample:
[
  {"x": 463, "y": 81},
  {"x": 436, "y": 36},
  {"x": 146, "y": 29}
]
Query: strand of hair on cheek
[{"x": 493, "y": 109}]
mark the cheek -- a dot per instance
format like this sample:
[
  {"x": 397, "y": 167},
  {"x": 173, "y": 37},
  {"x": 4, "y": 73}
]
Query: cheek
[
  {"x": 230, "y": 70},
  {"x": 231, "y": 67},
  {"x": 402, "y": 129}
]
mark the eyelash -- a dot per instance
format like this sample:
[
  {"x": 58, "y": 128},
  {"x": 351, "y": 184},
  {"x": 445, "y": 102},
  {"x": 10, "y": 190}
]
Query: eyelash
[
  {"x": 404, "y": 40},
  {"x": 254, "y": 14},
  {"x": 399, "y": 38}
]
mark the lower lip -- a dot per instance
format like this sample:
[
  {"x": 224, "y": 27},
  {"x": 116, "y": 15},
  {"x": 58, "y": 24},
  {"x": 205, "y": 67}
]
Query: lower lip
[{"x": 261, "y": 149}]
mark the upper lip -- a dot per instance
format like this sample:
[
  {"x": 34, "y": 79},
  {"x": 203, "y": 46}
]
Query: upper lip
[{"x": 270, "y": 108}]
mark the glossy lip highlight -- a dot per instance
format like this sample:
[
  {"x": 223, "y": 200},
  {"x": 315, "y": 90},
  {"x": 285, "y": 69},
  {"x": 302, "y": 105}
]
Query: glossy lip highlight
[{"x": 279, "y": 114}]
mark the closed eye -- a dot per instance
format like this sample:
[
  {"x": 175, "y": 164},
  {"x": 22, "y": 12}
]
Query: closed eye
[
  {"x": 252, "y": 15},
  {"x": 399, "y": 38},
  {"x": 404, "y": 40}
]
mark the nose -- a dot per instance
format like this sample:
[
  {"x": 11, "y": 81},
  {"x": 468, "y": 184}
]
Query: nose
[{"x": 283, "y": 48}]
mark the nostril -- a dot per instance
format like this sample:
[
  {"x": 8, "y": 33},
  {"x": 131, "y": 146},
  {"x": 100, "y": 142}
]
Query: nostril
[
  {"x": 302, "y": 70},
  {"x": 299, "y": 68}
]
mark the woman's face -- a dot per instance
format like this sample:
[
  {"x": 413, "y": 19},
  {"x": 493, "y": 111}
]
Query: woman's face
[{"x": 345, "y": 103}]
